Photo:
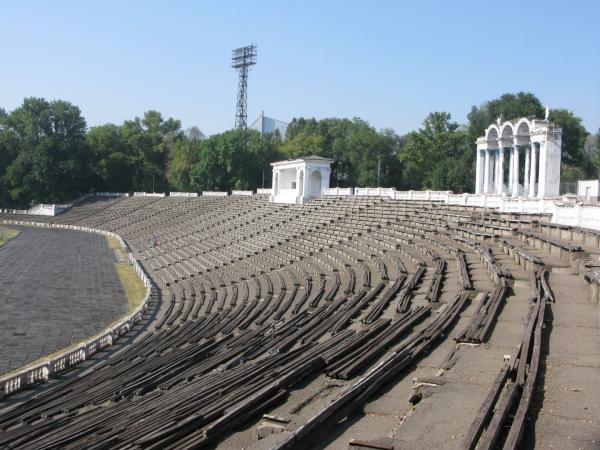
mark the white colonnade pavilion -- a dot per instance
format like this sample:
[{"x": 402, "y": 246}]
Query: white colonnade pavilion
[
  {"x": 520, "y": 157},
  {"x": 298, "y": 180}
]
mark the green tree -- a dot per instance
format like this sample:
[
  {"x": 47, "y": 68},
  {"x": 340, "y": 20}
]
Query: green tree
[
  {"x": 509, "y": 106},
  {"x": 596, "y": 158},
  {"x": 8, "y": 148},
  {"x": 438, "y": 156},
  {"x": 574, "y": 135},
  {"x": 359, "y": 147},
  {"x": 50, "y": 160},
  {"x": 185, "y": 154},
  {"x": 150, "y": 141},
  {"x": 235, "y": 159},
  {"x": 112, "y": 163},
  {"x": 303, "y": 144}
]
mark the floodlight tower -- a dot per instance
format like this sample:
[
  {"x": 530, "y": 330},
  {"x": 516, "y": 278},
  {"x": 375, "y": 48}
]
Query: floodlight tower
[{"x": 242, "y": 58}]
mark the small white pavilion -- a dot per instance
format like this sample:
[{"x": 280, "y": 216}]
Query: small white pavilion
[
  {"x": 537, "y": 142},
  {"x": 298, "y": 180}
]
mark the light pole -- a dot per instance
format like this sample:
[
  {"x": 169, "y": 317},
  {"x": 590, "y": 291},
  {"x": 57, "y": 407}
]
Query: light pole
[{"x": 378, "y": 168}]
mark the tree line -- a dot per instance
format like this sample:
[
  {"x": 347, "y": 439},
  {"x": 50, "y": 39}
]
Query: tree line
[{"x": 48, "y": 154}]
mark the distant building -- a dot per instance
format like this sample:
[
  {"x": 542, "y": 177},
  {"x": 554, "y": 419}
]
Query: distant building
[
  {"x": 589, "y": 189},
  {"x": 266, "y": 125},
  {"x": 194, "y": 134}
]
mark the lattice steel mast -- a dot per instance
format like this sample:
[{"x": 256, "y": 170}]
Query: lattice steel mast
[{"x": 242, "y": 58}]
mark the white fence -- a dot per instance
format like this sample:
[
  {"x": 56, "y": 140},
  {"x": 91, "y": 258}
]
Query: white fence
[
  {"x": 339, "y": 191},
  {"x": 149, "y": 194},
  {"x": 51, "y": 368},
  {"x": 15, "y": 211},
  {"x": 246, "y": 193},
  {"x": 266, "y": 191},
  {"x": 564, "y": 210},
  {"x": 47, "y": 209},
  {"x": 183, "y": 194},
  {"x": 214, "y": 194}
]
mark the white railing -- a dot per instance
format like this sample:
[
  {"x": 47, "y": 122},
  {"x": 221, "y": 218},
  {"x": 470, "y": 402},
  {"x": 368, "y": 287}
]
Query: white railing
[
  {"x": 246, "y": 193},
  {"x": 339, "y": 191},
  {"x": 378, "y": 192},
  {"x": 47, "y": 209},
  {"x": 14, "y": 211},
  {"x": 439, "y": 195},
  {"x": 183, "y": 194},
  {"x": 214, "y": 194},
  {"x": 149, "y": 194},
  {"x": 266, "y": 191},
  {"x": 39, "y": 373}
]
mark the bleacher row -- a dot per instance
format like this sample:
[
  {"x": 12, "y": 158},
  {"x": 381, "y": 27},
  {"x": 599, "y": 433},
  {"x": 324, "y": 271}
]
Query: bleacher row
[{"x": 259, "y": 297}]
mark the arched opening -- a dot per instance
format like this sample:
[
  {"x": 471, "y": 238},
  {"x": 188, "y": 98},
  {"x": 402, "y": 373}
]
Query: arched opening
[
  {"x": 491, "y": 134},
  {"x": 506, "y": 158},
  {"x": 491, "y": 137},
  {"x": 507, "y": 132},
  {"x": 522, "y": 137},
  {"x": 523, "y": 129},
  {"x": 315, "y": 183}
]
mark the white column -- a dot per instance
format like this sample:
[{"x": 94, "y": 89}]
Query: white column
[
  {"x": 541, "y": 190},
  {"x": 478, "y": 173},
  {"x": 500, "y": 179},
  {"x": 527, "y": 164},
  {"x": 494, "y": 171},
  {"x": 515, "y": 171},
  {"x": 486, "y": 172},
  {"x": 495, "y": 180},
  {"x": 533, "y": 176},
  {"x": 304, "y": 191},
  {"x": 511, "y": 152}
]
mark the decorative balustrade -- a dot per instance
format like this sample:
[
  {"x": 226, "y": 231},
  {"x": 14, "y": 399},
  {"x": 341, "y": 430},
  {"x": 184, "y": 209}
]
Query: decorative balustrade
[
  {"x": 339, "y": 191},
  {"x": 183, "y": 194},
  {"x": 214, "y": 194},
  {"x": 149, "y": 194},
  {"x": 245, "y": 193}
]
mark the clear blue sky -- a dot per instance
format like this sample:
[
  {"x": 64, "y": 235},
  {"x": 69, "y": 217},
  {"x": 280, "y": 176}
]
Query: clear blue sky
[{"x": 390, "y": 63}]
